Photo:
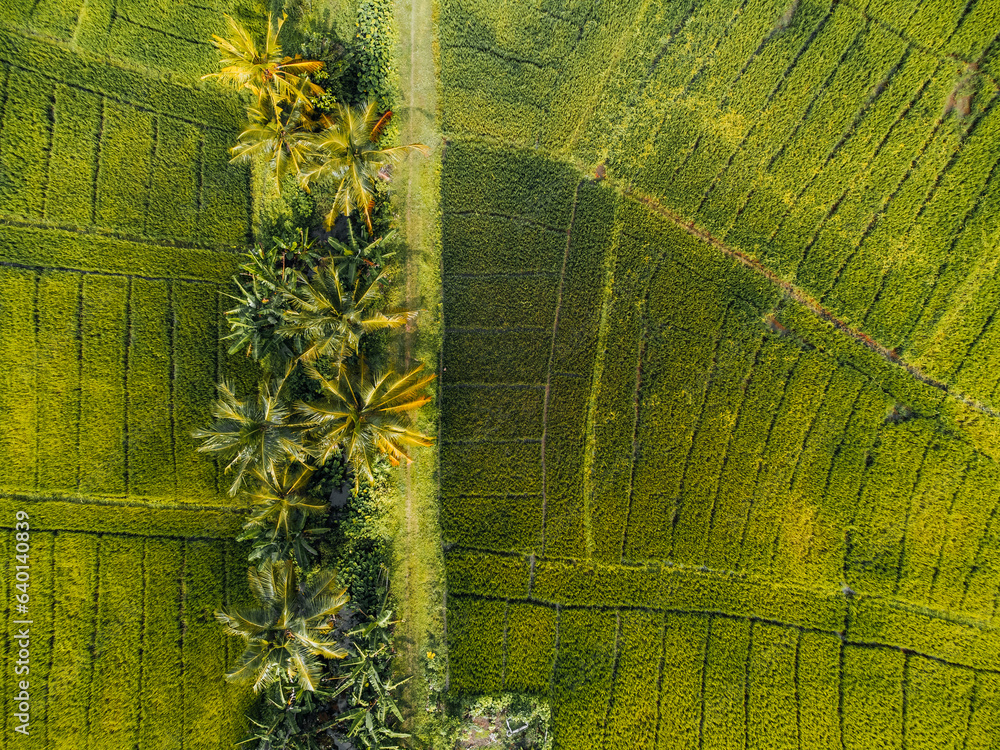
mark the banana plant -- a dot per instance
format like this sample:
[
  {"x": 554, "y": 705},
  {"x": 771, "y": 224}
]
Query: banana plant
[
  {"x": 355, "y": 256},
  {"x": 368, "y": 693}
]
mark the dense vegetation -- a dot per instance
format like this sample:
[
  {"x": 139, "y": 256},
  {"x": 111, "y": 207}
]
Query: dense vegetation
[{"x": 682, "y": 500}]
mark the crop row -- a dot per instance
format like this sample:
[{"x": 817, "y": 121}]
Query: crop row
[
  {"x": 653, "y": 680},
  {"x": 84, "y": 160},
  {"x": 129, "y": 370},
  {"x": 125, "y": 648},
  {"x": 863, "y": 620},
  {"x": 160, "y": 35}
]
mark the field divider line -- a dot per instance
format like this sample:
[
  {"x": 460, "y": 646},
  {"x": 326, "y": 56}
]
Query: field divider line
[
  {"x": 845, "y": 136},
  {"x": 905, "y": 687},
  {"x": 883, "y": 209},
  {"x": 38, "y": 395},
  {"x": 798, "y": 694},
  {"x": 973, "y": 695},
  {"x": 514, "y": 219},
  {"x": 764, "y": 108},
  {"x": 803, "y": 118},
  {"x": 555, "y": 650},
  {"x": 552, "y": 356},
  {"x": 502, "y": 275},
  {"x": 979, "y": 554},
  {"x": 99, "y": 232},
  {"x": 949, "y": 57},
  {"x": 184, "y": 39},
  {"x": 125, "y": 379},
  {"x": 659, "y": 680},
  {"x": 181, "y": 602},
  {"x": 52, "y": 640},
  {"x": 88, "y": 272},
  {"x": 737, "y": 416},
  {"x": 172, "y": 360},
  {"x": 670, "y": 37},
  {"x": 505, "y": 646},
  {"x": 956, "y": 237},
  {"x": 928, "y": 200},
  {"x": 499, "y": 55},
  {"x": 807, "y": 301},
  {"x": 704, "y": 677},
  {"x": 914, "y": 496},
  {"x": 840, "y": 684},
  {"x": 79, "y": 380},
  {"x": 143, "y": 579},
  {"x": 746, "y": 685},
  {"x": 115, "y": 97},
  {"x": 50, "y": 144},
  {"x": 866, "y": 169},
  {"x": 794, "y": 474}
]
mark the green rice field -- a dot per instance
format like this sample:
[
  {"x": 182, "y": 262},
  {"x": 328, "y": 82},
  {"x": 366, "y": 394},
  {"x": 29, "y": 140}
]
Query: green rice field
[
  {"x": 118, "y": 214},
  {"x": 719, "y": 443}
]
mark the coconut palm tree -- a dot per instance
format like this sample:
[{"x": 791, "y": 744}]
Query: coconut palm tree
[
  {"x": 265, "y": 71},
  {"x": 348, "y": 153},
  {"x": 280, "y": 132},
  {"x": 333, "y": 319},
  {"x": 292, "y": 627},
  {"x": 366, "y": 414},
  {"x": 281, "y": 510},
  {"x": 253, "y": 433}
]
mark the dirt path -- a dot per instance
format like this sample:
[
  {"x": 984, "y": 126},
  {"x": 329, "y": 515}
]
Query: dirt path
[{"x": 419, "y": 564}]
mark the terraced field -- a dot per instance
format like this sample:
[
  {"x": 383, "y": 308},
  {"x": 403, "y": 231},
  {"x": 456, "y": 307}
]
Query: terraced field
[
  {"x": 118, "y": 211},
  {"x": 719, "y": 460}
]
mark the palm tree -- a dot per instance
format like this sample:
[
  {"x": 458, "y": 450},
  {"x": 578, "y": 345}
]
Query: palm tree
[
  {"x": 366, "y": 414},
  {"x": 254, "y": 433},
  {"x": 333, "y": 319},
  {"x": 280, "y": 132},
  {"x": 267, "y": 73},
  {"x": 281, "y": 510},
  {"x": 348, "y": 152},
  {"x": 292, "y": 627}
]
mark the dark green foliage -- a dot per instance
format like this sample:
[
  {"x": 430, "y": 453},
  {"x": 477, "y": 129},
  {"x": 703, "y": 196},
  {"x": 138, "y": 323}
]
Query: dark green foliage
[{"x": 373, "y": 40}]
